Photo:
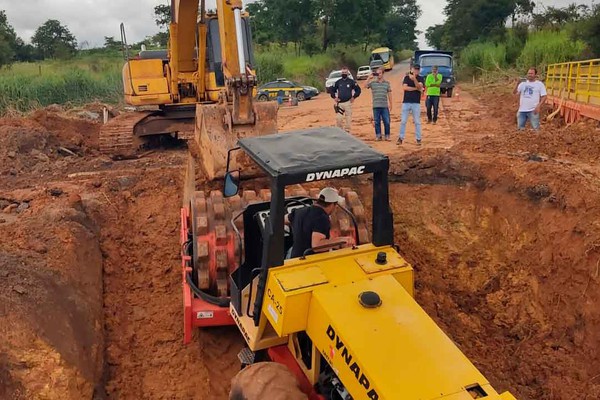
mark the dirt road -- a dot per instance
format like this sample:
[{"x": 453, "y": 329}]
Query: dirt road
[{"x": 501, "y": 228}]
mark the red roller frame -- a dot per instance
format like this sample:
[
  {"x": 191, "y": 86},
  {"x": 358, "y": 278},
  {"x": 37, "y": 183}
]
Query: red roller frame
[
  {"x": 282, "y": 355},
  {"x": 197, "y": 313}
]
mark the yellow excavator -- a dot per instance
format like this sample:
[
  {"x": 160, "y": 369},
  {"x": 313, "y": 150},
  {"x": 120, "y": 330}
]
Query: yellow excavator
[{"x": 200, "y": 89}]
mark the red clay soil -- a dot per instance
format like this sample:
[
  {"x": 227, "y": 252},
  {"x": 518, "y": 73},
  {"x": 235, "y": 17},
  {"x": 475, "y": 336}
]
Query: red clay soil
[
  {"x": 51, "y": 333},
  {"x": 500, "y": 227}
]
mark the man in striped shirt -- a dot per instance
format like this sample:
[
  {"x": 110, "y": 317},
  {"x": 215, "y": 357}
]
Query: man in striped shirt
[{"x": 382, "y": 102}]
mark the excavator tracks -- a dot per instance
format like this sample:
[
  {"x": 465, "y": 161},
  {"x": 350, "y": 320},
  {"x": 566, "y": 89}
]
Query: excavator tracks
[
  {"x": 216, "y": 247},
  {"x": 117, "y": 136}
]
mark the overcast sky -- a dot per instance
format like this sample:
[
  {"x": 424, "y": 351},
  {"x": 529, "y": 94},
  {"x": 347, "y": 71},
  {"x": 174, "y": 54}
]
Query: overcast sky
[{"x": 91, "y": 20}]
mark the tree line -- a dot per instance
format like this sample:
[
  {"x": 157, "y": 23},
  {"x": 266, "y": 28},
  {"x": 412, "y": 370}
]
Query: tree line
[
  {"x": 312, "y": 25},
  {"x": 50, "y": 40},
  {"x": 469, "y": 21},
  {"x": 315, "y": 25}
]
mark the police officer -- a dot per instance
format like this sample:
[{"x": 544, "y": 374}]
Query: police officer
[{"x": 344, "y": 91}]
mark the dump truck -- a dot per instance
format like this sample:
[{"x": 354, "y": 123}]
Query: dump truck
[{"x": 445, "y": 62}]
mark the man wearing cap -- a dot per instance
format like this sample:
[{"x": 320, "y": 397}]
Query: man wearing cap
[
  {"x": 433, "y": 82},
  {"x": 412, "y": 86},
  {"x": 311, "y": 225}
]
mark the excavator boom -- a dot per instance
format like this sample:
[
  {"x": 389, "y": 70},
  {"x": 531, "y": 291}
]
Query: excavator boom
[{"x": 208, "y": 66}]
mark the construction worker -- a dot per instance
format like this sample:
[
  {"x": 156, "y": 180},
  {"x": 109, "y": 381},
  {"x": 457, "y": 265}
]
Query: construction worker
[
  {"x": 344, "y": 91},
  {"x": 432, "y": 84},
  {"x": 311, "y": 225},
  {"x": 382, "y": 102}
]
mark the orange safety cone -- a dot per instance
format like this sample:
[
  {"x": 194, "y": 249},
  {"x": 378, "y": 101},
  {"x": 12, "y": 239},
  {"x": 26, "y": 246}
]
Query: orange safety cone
[{"x": 457, "y": 95}]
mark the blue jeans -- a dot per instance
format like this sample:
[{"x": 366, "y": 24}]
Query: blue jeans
[
  {"x": 381, "y": 113},
  {"x": 415, "y": 110},
  {"x": 432, "y": 102},
  {"x": 523, "y": 116}
]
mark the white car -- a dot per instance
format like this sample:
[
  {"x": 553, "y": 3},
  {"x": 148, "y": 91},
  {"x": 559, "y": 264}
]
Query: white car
[
  {"x": 333, "y": 78},
  {"x": 363, "y": 72}
]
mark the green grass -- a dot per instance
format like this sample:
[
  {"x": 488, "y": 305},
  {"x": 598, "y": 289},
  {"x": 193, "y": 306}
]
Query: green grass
[
  {"x": 73, "y": 86},
  {"x": 97, "y": 76},
  {"x": 478, "y": 58},
  {"x": 277, "y": 61},
  {"x": 548, "y": 47},
  {"x": 403, "y": 55},
  {"x": 84, "y": 79}
]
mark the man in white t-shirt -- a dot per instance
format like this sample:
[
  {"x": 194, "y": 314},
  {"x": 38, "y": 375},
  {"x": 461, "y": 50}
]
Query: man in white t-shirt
[{"x": 532, "y": 97}]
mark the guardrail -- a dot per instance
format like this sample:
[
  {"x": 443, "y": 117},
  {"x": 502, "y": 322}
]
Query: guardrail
[{"x": 574, "y": 89}]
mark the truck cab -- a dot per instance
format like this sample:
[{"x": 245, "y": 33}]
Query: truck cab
[{"x": 445, "y": 62}]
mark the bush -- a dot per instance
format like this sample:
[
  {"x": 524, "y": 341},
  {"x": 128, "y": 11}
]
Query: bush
[
  {"x": 403, "y": 55},
  {"x": 483, "y": 56},
  {"x": 269, "y": 66},
  {"x": 352, "y": 57},
  {"x": 515, "y": 40},
  {"x": 548, "y": 47},
  {"x": 277, "y": 61}
]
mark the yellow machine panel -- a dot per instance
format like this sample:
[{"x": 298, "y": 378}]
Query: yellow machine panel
[
  {"x": 290, "y": 288},
  {"x": 144, "y": 82},
  {"x": 357, "y": 307},
  {"x": 395, "y": 350}
]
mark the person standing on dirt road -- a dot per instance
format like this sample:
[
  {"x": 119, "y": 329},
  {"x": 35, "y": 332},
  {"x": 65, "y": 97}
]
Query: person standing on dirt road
[
  {"x": 532, "y": 97},
  {"x": 412, "y": 86},
  {"x": 344, "y": 91},
  {"x": 311, "y": 225},
  {"x": 382, "y": 102},
  {"x": 433, "y": 83}
]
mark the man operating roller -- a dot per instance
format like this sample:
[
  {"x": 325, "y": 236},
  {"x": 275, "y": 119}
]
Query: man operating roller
[{"x": 311, "y": 226}]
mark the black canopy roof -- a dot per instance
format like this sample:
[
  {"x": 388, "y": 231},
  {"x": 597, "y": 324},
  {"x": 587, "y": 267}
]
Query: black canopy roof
[{"x": 297, "y": 153}]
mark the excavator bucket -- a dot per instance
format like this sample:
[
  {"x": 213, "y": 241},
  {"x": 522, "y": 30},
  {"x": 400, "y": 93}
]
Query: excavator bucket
[{"x": 215, "y": 135}]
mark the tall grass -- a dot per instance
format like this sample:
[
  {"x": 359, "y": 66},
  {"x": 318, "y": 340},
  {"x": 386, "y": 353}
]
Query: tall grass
[
  {"x": 482, "y": 56},
  {"x": 97, "y": 77},
  {"x": 277, "y": 61},
  {"x": 22, "y": 92},
  {"x": 547, "y": 47}
]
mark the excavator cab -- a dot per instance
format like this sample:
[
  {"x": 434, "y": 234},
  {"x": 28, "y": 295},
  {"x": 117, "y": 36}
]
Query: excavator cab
[{"x": 200, "y": 90}]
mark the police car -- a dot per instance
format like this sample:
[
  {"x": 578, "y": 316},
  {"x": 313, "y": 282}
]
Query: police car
[{"x": 283, "y": 87}]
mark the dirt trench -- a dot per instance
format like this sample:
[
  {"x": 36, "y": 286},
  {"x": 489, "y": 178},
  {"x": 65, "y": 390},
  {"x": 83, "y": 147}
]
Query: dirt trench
[
  {"x": 510, "y": 272},
  {"x": 500, "y": 226},
  {"x": 51, "y": 332}
]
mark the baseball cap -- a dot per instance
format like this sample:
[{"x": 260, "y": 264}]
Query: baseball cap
[
  {"x": 330, "y": 195},
  {"x": 416, "y": 66}
]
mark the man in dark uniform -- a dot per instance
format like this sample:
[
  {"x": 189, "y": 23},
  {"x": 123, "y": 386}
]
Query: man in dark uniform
[
  {"x": 344, "y": 91},
  {"x": 311, "y": 225}
]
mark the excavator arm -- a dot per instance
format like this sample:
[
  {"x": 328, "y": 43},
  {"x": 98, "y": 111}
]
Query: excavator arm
[{"x": 239, "y": 78}]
